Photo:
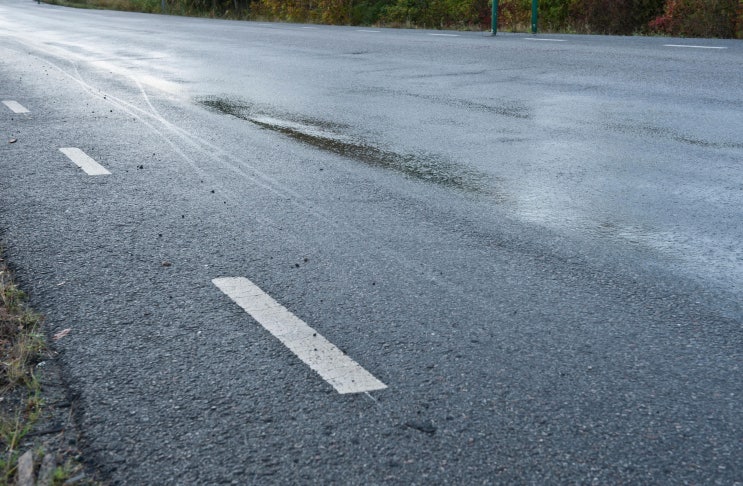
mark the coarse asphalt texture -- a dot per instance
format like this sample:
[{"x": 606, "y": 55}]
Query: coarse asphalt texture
[{"x": 533, "y": 242}]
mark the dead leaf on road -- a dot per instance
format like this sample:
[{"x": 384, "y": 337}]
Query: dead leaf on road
[
  {"x": 13, "y": 140},
  {"x": 61, "y": 334}
]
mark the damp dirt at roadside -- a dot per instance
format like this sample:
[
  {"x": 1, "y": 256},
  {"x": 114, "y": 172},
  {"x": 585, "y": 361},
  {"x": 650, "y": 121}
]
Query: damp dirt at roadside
[{"x": 329, "y": 137}]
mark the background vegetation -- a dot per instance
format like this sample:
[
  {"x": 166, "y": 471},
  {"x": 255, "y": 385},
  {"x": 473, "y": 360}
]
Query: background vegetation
[{"x": 690, "y": 18}]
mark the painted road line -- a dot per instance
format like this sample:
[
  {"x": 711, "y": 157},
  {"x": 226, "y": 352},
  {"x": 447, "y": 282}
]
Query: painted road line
[
  {"x": 694, "y": 47},
  {"x": 82, "y": 160},
  {"x": 445, "y": 35},
  {"x": 544, "y": 40},
  {"x": 15, "y": 107},
  {"x": 369, "y": 31},
  {"x": 343, "y": 373}
]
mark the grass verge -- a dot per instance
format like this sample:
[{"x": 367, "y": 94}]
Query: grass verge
[
  {"x": 30, "y": 452},
  {"x": 147, "y": 6},
  {"x": 21, "y": 348}
]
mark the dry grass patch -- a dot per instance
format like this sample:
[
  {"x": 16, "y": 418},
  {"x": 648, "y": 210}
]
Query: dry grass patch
[
  {"x": 34, "y": 448},
  {"x": 21, "y": 348}
]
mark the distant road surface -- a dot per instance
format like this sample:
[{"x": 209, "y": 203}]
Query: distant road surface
[{"x": 299, "y": 254}]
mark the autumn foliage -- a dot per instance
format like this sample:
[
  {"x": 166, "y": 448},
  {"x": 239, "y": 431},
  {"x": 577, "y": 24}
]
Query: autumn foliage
[
  {"x": 700, "y": 18},
  {"x": 689, "y": 18},
  {"x": 694, "y": 18}
]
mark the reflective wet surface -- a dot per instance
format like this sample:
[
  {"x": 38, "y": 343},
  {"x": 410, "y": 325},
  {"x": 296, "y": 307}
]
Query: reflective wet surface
[
  {"x": 554, "y": 135},
  {"x": 535, "y": 246}
]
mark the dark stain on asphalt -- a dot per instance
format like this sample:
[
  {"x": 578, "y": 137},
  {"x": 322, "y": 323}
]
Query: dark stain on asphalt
[
  {"x": 425, "y": 426},
  {"x": 669, "y": 134},
  {"x": 325, "y": 136},
  {"x": 504, "y": 107},
  {"x": 246, "y": 110}
]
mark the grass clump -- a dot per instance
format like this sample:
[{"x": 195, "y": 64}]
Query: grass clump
[
  {"x": 31, "y": 414},
  {"x": 22, "y": 346}
]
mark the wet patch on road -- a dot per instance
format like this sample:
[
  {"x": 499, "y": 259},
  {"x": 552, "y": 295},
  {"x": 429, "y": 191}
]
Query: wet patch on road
[
  {"x": 507, "y": 108},
  {"x": 669, "y": 134},
  {"x": 715, "y": 259},
  {"x": 450, "y": 75},
  {"x": 248, "y": 111},
  {"x": 329, "y": 137}
]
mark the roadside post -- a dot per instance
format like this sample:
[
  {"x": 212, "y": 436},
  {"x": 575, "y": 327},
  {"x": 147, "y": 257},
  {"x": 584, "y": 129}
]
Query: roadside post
[
  {"x": 534, "y": 13},
  {"x": 494, "y": 18}
]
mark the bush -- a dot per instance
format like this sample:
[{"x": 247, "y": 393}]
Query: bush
[
  {"x": 699, "y": 18},
  {"x": 514, "y": 15},
  {"x": 622, "y": 17},
  {"x": 616, "y": 17},
  {"x": 367, "y": 13},
  {"x": 691, "y": 18}
]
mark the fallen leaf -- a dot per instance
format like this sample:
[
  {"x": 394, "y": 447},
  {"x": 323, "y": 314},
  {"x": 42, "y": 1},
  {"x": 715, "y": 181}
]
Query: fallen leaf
[
  {"x": 13, "y": 140},
  {"x": 61, "y": 334}
]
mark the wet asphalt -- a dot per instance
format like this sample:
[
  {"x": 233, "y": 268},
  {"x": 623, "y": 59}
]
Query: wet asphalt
[{"x": 535, "y": 243}]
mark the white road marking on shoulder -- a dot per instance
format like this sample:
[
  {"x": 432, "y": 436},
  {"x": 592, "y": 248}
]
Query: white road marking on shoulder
[
  {"x": 445, "y": 35},
  {"x": 15, "y": 107},
  {"x": 544, "y": 40},
  {"x": 694, "y": 47},
  {"x": 82, "y": 160},
  {"x": 343, "y": 373},
  {"x": 370, "y": 31}
]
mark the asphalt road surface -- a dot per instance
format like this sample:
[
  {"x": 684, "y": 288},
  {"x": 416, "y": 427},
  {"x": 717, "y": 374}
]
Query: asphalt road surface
[{"x": 293, "y": 254}]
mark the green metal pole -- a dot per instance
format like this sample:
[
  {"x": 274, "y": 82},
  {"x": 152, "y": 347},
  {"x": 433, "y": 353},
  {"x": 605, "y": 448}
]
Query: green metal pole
[
  {"x": 534, "y": 12},
  {"x": 494, "y": 18}
]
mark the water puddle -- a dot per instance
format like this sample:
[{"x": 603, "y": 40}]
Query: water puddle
[{"x": 329, "y": 137}]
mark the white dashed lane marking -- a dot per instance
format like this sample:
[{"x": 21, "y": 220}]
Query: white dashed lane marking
[
  {"x": 544, "y": 40},
  {"x": 445, "y": 35},
  {"x": 343, "y": 373},
  {"x": 694, "y": 47},
  {"x": 15, "y": 107},
  {"x": 82, "y": 160}
]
